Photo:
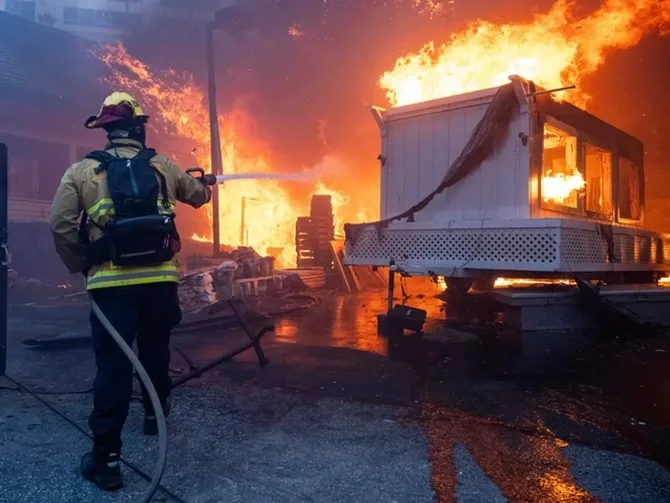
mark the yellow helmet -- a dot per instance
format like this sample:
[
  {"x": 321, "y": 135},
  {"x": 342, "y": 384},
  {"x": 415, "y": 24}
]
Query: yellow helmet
[{"x": 117, "y": 106}]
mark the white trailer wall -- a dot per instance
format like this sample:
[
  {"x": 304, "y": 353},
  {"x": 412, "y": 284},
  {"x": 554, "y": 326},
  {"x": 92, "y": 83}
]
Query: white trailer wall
[{"x": 420, "y": 142}]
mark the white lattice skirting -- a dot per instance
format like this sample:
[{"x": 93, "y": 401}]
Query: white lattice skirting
[{"x": 538, "y": 245}]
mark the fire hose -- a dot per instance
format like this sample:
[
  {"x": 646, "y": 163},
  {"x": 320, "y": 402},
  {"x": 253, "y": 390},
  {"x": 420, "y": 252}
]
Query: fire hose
[{"x": 195, "y": 372}]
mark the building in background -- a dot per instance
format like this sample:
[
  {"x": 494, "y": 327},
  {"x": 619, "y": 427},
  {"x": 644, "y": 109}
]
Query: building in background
[
  {"x": 105, "y": 21},
  {"x": 48, "y": 86}
]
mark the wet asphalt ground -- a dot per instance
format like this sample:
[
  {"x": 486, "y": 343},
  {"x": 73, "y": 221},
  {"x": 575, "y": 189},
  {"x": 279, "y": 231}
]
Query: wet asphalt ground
[{"x": 471, "y": 412}]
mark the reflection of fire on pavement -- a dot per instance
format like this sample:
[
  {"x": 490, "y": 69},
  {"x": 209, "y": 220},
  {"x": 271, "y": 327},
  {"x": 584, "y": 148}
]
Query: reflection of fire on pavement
[
  {"x": 523, "y": 282},
  {"x": 524, "y": 467}
]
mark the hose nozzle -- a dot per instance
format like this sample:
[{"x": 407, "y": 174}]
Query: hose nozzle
[{"x": 205, "y": 179}]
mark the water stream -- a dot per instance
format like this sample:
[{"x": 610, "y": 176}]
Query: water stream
[{"x": 295, "y": 177}]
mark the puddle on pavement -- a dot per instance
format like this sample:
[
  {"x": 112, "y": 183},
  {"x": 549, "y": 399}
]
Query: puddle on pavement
[
  {"x": 344, "y": 321},
  {"x": 473, "y": 334}
]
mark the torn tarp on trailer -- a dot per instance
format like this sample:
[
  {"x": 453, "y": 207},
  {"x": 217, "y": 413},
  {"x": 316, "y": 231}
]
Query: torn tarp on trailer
[{"x": 487, "y": 136}]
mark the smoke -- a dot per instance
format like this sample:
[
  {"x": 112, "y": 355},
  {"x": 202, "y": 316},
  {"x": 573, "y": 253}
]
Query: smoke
[{"x": 300, "y": 64}]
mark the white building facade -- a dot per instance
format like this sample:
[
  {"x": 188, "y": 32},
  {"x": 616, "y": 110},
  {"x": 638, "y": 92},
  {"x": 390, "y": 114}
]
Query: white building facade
[{"x": 105, "y": 21}]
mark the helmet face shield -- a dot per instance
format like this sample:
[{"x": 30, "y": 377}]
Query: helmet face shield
[{"x": 117, "y": 106}]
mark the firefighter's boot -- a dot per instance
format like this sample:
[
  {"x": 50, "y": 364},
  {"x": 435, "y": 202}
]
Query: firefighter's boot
[
  {"x": 101, "y": 466},
  {"x": 150, "y": 423}
]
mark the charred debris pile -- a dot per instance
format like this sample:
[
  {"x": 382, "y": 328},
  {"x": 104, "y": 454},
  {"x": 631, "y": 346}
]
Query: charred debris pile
[{"x": 241, "y": 273}]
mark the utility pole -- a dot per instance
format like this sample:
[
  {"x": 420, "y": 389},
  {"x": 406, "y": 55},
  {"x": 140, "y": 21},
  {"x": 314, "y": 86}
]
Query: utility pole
[
  {"x": 242, "y": 222},
  {"x": 234, "y": 20},
  {"x": 215, "y": 137}
]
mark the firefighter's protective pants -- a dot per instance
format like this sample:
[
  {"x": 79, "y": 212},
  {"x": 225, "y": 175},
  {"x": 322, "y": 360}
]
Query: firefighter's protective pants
[{"x": 148, "y": 312}]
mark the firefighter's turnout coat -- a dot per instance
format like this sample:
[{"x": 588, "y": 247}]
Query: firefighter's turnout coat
[{"x": 83, "y": 190}]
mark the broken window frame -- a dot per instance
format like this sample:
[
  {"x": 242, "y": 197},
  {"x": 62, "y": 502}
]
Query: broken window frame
[
  {"x": 582, "y": 210},
  {"x": 553, "y": 206},
  {"x": 641, "y": 195},
  {"x": 583, "y": 141}
]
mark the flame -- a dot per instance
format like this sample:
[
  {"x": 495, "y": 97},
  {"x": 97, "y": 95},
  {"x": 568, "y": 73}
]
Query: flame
[
  {"x": 295, "y": 31},
  {"x": 341, "y": 208},
  {"x": 525, "y": 282},
  {"x": 554, "y": 50},
  {"x": 269, "y": 213},
  {"x": 559, "y": 187},
  {"x": 518, "y": 282},
  {"x": 201, "y": 239},
  {"x": 432, "y": 7}
]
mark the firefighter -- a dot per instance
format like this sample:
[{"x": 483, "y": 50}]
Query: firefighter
[{"x": 112, "y": 220}]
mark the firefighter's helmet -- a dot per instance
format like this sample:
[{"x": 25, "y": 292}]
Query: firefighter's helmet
[{"x": 117, "y": 106}]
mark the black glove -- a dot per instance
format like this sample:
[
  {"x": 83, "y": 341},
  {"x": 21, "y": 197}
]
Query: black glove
[{"x": 208, "y": 179}]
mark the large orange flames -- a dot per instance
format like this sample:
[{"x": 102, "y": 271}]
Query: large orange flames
[
  {"x": 269, "y": 213},
  {"x": 555, "y": 49}
]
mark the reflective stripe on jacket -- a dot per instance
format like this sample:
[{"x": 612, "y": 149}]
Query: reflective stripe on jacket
[
  {"x": 81, "y": 189},
  {"x": 108, "y": 275},
  {"x": 105, "y": 207}
]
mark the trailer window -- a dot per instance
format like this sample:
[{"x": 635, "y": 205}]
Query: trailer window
[
  {"x": 562, "y": 182},
  {"x": 630, "y": 196},
  {"x": 598, "y": 169}
]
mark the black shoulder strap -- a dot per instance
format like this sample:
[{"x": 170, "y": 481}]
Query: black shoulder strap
[
  {"x": 83, "y": 231},
  {"x": 148, "y": 154},
  {"x": 145, "y": 154},
  {"x": 102, "y": 157}
]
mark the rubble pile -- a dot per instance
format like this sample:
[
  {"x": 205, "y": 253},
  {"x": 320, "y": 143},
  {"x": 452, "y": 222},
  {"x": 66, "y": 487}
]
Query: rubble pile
[
  {"x": 224, "y": 278},
  {"x": 238, "y": 273},
  {"x": 250, "y": 263},
  {"x": 196, "y": 290}
]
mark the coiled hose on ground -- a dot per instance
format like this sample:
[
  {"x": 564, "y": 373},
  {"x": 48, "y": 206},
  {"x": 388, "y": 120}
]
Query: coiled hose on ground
[{"x": 155, "y": 402}]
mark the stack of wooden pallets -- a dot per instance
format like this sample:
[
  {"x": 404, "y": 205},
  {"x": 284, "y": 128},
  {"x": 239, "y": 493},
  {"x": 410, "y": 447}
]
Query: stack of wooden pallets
[{"x": 314, "y": 234}]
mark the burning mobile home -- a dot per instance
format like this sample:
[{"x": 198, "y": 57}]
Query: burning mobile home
[{"x": 534, "y": 186}]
